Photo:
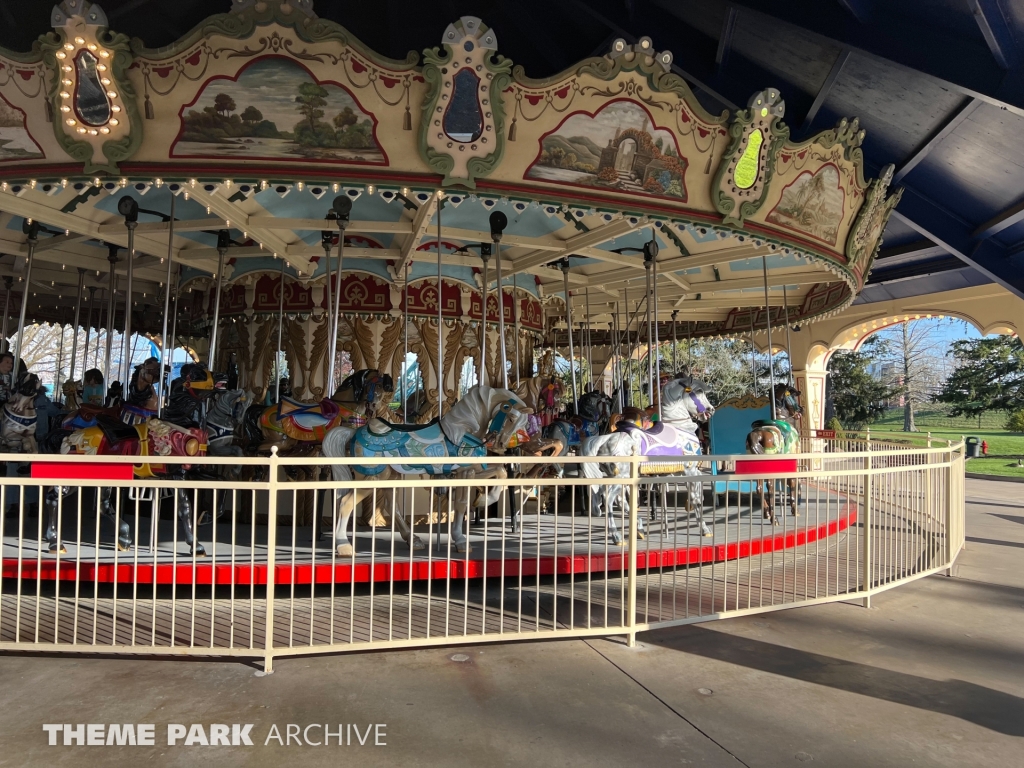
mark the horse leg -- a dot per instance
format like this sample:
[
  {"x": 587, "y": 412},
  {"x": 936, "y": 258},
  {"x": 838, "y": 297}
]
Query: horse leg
[
  {"x": 185, "y": 516},
  {"x": 608, "y": 493},
  {"x": 345, "y": 510},
  {"x": 695, "y": 502},
  {"x": 53, "y": 494},
  {"x": 124, "y": 531},
  {"x": 793, "y": 497}
]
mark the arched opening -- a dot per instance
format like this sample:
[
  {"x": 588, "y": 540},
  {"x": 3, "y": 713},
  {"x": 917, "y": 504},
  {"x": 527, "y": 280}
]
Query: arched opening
[
  {"x": 467, "y": 376},
  {"x": 409, "y": 389},
  {"x": 624, "y": 157}
]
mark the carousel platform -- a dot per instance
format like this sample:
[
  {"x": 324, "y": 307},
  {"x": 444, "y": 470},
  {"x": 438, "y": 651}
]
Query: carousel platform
[{"x": 238, "y": 555}]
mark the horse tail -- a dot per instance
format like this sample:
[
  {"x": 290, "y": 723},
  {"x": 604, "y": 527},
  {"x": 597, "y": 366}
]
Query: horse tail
[
  {"x": 334, "y": 446},
  {"x": 53, "y": 440},
  {"x": 251, "y": 425}
]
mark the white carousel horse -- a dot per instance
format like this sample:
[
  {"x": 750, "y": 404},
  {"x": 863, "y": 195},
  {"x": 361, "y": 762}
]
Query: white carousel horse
[
  {"x": 485, "y": 418},
  {"x": 18, "y": 424},
  {"x": 684, "y": 405}
]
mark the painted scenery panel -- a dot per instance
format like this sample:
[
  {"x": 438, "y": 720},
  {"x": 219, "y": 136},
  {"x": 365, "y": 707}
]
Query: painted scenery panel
[
  {"x": 15, "y": 141},
  {"x": 616, "y": 148},
  {"x": 812, "y": 204},
  {"x": 275, "y": 109}
]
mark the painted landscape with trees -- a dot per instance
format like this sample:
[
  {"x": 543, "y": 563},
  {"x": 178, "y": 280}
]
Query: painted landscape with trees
[{"x": 275, "y": 109}]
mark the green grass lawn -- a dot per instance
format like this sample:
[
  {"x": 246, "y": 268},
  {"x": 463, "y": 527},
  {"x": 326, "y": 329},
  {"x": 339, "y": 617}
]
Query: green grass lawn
[{"x": 1000, "y": 441}]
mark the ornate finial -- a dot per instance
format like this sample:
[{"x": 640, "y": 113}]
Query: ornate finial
[
  {"x": 70, "y": 9},
  {"x": 470, "y": 27},
  {"x": 645, "y": 47},
  {"x": 304, "y": 7}
]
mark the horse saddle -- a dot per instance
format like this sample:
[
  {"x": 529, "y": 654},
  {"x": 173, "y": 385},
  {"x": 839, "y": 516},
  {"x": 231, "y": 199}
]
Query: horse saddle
[
  {"x": 308, "y": 422},
  {"x": 382, "y": 439},
  {"x": 87, "y": 416}
]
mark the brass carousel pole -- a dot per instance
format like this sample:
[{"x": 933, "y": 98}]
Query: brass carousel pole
[
  {"x": 173, "y": 343},
  {"x": 342, "y": 207},
  {"x": 629, "y": 345},
  {"x": 768, "y": 327},
  {"x": 112, "y": 258},
  {"x": 128, "y": 208},
  {"x": 74, "y": 325},
  {"x": 515, "y": 319},
  {"x": 789, "y": 339},
  {"x": 753, "y": 362},
  {"x": 8, "y": 282},
  {"x": 440, "y": 312},
  {"x": 32, "y": 230},
  {"x": 223, "y": 240},
  {"x": 590, "y": 338},
  {"x": 164, "y": 342},
  {"x": 485, "y": 255},
  {"x": 280, "y": 328},
  {"x": 327, "y": 242},
  {"x": 88, "y": 329},
  {"x": 568, "y": 323},
  {"x": 498, "y": 222},
  {"x": 404, "y": 368},
  {"x": 652, "y": 245},
  {"x": 648, "y": 261}
]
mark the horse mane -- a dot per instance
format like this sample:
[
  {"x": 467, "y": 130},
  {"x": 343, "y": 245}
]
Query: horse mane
[{"x": 465, "y": 416}]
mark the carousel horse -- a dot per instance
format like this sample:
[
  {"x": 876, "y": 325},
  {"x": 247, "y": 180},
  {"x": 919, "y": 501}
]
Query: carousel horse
[
  {"x": 590, "y": 419},
  {"x": 178, "y": 433},
  {"x": 18, "y": 425},
  {"x": 774, "y": 437},
  {"x": 294, "y": 426},
  {"x": 225, "y": 416},
  {"x": 684, "y": 406},
  {"x": 485, "y": 419},
  {"x": 542, "y": 393}
]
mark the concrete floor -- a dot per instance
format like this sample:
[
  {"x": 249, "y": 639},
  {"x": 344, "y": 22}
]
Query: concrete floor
[{"x": 930, "y": 675}]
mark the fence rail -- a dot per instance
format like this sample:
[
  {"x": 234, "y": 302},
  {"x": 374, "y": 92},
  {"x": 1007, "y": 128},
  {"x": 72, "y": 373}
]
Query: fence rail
[{"x": 297, "y": 562}]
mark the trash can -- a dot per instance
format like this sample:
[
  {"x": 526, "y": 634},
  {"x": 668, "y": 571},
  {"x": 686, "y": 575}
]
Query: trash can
[{"x": 972, "y": 448}]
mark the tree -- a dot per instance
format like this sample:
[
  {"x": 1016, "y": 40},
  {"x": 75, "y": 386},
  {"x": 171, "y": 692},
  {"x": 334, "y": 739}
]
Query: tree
[
  {"x": 913, "y": 354},
  {"x": 345, "y": 118},
  {"x": 858, "y": 397},
  {"x": 311, "y": 99},
  {"x": 251, "y": 115},
  {"x": 988, "y": 376},
  {"x": 224, "y": 104}
]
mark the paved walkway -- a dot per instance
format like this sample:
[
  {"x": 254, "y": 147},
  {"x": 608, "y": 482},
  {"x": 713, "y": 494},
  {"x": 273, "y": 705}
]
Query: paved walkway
[{"x": 931, "y": 675}]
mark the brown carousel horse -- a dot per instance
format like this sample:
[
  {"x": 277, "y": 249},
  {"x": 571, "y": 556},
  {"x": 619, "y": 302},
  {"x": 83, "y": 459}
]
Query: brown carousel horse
[
  {"x": 298, "y": 428},
  {"x": 178, "y": 433}
]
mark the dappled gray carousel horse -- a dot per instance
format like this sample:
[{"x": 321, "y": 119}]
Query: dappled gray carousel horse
[
  {"x": 684, "y": 404},
  {"x": 485, "y": 419},
  {"x": 18, "y": 424}
]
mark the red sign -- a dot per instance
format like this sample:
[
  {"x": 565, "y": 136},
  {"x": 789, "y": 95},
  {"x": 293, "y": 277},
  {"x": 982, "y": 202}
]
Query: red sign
[
  {"x": 829, "y": 434},
  {"x": 85, "y": 470}
]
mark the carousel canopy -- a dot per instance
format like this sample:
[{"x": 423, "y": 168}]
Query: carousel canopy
[{"x": 241, "y": 137}]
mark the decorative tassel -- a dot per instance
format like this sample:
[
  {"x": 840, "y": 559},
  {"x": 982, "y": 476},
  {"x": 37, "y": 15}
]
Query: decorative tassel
[
  {"x": 150, "y": 113},
  {"x": 49, "y": 111},
  {"x": 407, "y": 119},
  {"x": 512, "y": 130}
]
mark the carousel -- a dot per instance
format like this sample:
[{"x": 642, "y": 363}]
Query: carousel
[{"x": 356, "y": 252}]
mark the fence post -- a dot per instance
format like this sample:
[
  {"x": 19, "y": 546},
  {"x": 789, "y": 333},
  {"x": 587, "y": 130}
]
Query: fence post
[
  {"x": 634, "y": 512},
  {"x": 268, "y": 646},
  {"x": 952, "y": 500},
  {"x": 866, "y": 523}
]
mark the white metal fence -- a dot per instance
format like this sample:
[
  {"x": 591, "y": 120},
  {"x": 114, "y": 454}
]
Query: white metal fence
[{"x": 869, "y": 515}]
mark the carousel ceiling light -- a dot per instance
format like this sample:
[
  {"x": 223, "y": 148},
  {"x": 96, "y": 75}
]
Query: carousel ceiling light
[
  {"x": 369, "y": 189},
  {"x": 80, "y": 40},
  {"x": 105, "y": 80},
  {"x": 81, "y": 130},
  {"x": 335, "y": 187},
  {"x": 112, "y": 94},
  {"x": 61, "y": 55},
  {"x": 113, "y": 121},
  {"x": 69, "y": 46},
  {"x": 66, "y": 67},
  {"x": 67, "y": 81},
  {"x": 65, "y": 108},
  {"x": 104, "y": 129},
  {"x": 65, "y": 95},
  {"x": 299, "y": 185},
  {"x": 158, "y": 182},
  {"x": 101, "y": 67},
  {"x": 71, "y": 121},
  {"x": 91, "y": 46},
  {"x": 115, "y": 108},
  {"x": 105, "y": 54}
]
